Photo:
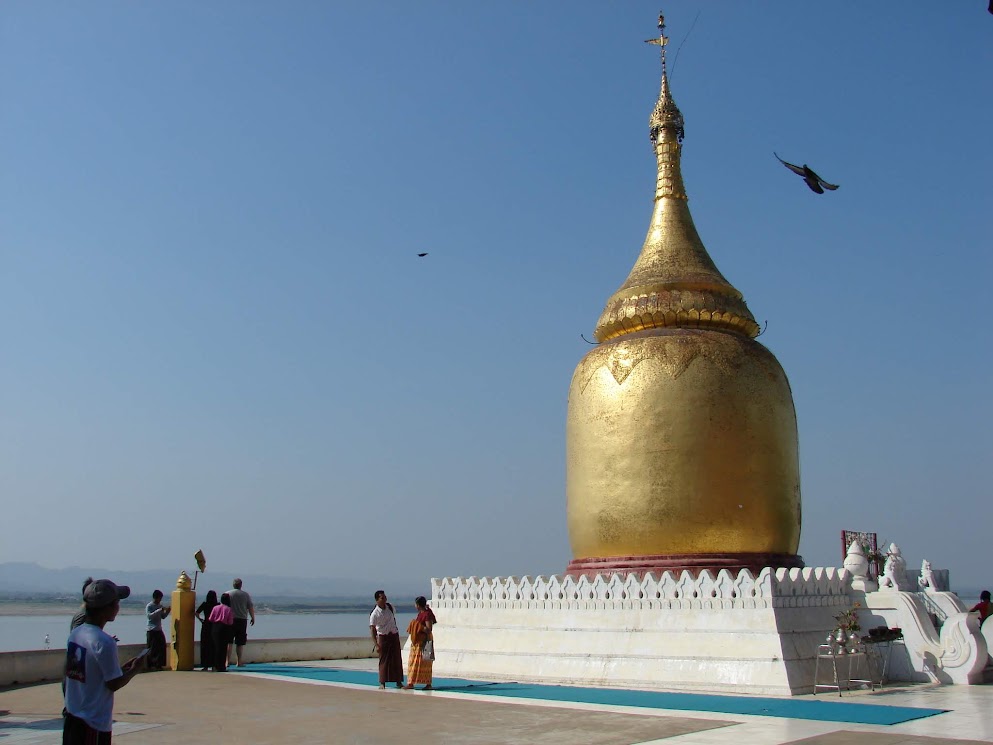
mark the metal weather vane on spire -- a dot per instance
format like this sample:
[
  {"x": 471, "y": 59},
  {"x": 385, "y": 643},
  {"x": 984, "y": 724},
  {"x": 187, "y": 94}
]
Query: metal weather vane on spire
[
  {"x": 663, "y": 39},
  {"x": 666, "y": 113}
]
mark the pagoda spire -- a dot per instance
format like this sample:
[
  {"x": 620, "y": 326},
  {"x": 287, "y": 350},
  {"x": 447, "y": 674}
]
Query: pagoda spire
[
  {"x": 674, "y": 282},
  {"x": 666, "y": 125},
  {"x": 681, "y": 438}
]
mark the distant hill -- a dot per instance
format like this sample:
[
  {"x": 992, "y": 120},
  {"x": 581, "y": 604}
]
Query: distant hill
[{"x": 28, "y": 579}]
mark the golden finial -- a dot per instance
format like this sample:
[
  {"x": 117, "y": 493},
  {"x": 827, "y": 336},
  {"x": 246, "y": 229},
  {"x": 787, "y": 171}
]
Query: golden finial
[
  {"x": 674, "y": 282},
  {"x": 666, "y": 113}
]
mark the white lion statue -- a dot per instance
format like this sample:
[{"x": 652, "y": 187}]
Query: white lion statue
[{"x": 895, "y": 570}]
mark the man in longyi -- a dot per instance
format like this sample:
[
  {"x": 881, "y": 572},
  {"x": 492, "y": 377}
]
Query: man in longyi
[{"x": 386, "y": 637}]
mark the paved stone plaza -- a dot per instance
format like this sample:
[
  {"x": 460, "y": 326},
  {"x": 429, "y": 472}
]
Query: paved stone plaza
[{"x": 209, "y": 708}]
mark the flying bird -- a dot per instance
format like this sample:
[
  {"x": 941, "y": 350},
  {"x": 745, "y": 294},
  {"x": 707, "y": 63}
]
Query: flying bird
[
  {"x": 423, "y": 254},
  {"x": 815, "y": 182}
]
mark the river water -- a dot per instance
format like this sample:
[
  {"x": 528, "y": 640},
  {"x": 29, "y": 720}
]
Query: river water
[{"x": 28, "y": 632}]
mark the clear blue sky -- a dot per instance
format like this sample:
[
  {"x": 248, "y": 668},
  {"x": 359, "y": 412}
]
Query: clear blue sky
[{"x": 217, "y": 334}]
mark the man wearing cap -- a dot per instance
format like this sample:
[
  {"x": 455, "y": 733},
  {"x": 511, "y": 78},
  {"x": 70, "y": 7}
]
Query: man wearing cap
[{"x": 92, "y": 671}]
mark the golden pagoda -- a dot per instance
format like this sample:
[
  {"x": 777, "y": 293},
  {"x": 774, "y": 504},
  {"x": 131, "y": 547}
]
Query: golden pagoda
[{"x": 681, "y": 440}]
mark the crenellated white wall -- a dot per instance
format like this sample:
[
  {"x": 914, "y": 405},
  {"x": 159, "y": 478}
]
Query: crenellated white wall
[
  {"x": 779, "y": 587},
  {"x": 708, "y": 632}
]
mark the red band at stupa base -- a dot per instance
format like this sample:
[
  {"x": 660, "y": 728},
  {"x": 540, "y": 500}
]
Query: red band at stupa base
[{"x": 676, "y": 563}]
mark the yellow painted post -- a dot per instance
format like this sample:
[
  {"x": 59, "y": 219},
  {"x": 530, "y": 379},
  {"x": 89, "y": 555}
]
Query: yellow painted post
[{"x": 184, "y": 602}]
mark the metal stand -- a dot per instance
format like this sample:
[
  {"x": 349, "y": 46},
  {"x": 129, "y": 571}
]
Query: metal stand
[
  {"x": 842, "y": 671},
  {"x": 879, "y": 654}
]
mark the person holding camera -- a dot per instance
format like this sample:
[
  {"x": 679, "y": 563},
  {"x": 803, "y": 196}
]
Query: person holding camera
[
  {"x": 92, "y": 670},
  {"x": 154, "y": 636}
]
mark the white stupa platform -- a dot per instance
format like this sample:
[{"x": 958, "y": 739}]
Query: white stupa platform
[{"x": 744, "y": 633}]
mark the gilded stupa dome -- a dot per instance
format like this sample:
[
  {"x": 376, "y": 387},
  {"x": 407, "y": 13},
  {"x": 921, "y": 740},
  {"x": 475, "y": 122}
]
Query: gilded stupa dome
[{"x": 681, "y": 437}]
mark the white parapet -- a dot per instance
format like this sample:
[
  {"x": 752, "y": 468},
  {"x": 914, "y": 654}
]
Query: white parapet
[
  {"x": 36, "y": 666},
  {"x": 724, "y": 632}
]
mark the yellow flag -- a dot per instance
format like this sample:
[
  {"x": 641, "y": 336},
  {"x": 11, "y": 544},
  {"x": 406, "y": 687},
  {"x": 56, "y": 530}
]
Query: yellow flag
[{"x": 201, "y": 561}]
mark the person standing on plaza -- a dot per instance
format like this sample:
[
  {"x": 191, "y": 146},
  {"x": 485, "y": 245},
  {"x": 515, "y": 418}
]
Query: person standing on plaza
[
  {"x": 420, "y": 662},
  {"x": 206, "y": 630},
  {"x": 244, "y": 612},
  {"x": 80, "y": 615},
  {"x": 92, "y": 670},
  {"x": 221, "y": 622},
  {"x": 154, "y": 636},
  {"x": 386, "y": 638},
  {"x": 77, "y": 620}
]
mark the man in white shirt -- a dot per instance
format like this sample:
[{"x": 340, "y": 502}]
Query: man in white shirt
[
  {"x": 92, "y": 671},
  {"x": 386, "y": 638},
  {"x": 154, "y": 636}
]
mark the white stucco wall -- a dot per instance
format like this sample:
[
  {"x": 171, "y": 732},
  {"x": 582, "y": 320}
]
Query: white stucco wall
[{"x": 39, "y": 666}]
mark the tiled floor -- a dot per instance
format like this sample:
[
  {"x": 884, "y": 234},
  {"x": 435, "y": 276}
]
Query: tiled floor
[
  {"x": 970, "y": 718},
  {"x": 211, "y": 708}
]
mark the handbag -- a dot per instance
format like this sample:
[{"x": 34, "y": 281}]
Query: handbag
[{"x": 427, "y": 651}]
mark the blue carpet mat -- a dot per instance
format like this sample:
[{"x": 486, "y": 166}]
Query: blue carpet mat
[{"x": 819, "y": 710}]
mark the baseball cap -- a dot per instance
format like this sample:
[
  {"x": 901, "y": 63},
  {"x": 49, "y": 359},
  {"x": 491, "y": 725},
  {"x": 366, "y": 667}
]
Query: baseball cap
[{"x": 103, "y": 592}]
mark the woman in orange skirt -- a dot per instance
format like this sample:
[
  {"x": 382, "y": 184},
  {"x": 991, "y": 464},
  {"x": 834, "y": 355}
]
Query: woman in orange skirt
[{"x": 419, "y": 629}]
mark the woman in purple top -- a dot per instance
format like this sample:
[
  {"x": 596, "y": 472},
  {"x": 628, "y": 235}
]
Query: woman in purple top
[{"x": 222, "y": 620}]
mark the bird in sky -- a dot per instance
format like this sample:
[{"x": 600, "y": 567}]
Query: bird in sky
[
  {"x": 423, "y": 254},
  {"x": 815, "y": 182}
]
